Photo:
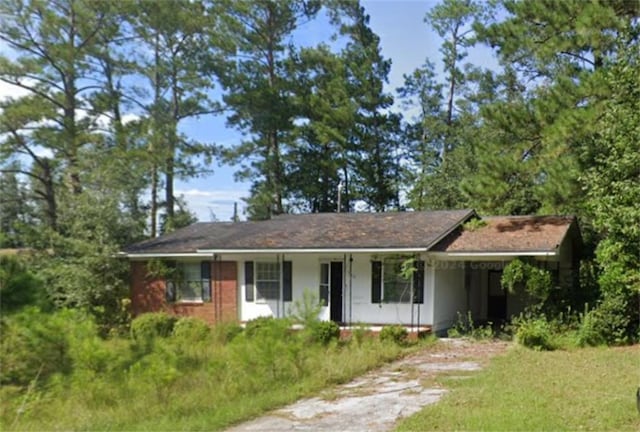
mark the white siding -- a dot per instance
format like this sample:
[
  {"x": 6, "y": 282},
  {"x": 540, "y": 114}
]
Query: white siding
[
  {"x": 450, "y": 296},
  {"x": 356, "y": 307}
]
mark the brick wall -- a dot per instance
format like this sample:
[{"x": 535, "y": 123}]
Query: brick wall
[{"x": 148, "y": 295}]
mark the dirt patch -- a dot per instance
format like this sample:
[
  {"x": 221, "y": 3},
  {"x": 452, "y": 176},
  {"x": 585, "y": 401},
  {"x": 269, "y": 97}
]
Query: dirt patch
[{"x": 378, "y": 399}]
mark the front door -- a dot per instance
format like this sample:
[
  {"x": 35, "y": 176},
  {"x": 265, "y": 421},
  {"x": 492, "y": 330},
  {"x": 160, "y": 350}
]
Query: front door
[
  {"x": 335, "y": 289},
  {"x": 497, "y": 302}
]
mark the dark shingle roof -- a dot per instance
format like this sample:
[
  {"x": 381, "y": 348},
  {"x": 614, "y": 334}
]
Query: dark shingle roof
[
  {"x": 311, "y": 231},
  {"x": 509, "y": 234}
]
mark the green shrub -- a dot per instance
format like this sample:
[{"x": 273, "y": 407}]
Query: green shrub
[
  {"x": 19, "y": 287},
  {"x": 279, "y": 328},
  {"x": 307, "y": 310},
  {"x": 394, "y": 333},
  {"x": 191, "y": 329},
  {"x": 36, "y": 345},
  {"x": 534, "y": 333},
  {"x": 324, "y": 332},
  {"x": 225, "y": 332},
  {"x": 465, "y": 326},
  {"x": 607, "y": 324},
  {"x": 149, "y": 326},
  {"x": 359, "y": 333}
]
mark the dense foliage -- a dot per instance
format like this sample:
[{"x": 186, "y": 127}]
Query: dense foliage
[
  {"x": 92, "y": 139},
  {"x": 57, "y": 373}
]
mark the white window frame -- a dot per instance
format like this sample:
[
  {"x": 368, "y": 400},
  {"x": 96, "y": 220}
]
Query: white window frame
[
  {"x": 327, "y": 284},
  {"x": 256, "y": 281}
]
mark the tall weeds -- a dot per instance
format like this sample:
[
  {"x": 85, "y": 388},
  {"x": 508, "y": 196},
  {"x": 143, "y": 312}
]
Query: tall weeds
[{"x": 191, "y": 379}]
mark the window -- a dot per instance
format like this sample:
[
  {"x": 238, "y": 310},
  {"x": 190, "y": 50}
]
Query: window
[
  {"x": 324, "y": 283},
  {"x": 267, "y": 281},
  {"x": 262, "y": 281},
  {"x": 395, "y": 287},
  {"x": 190, "y": 282},
  {"x": 388, "y": 284}
]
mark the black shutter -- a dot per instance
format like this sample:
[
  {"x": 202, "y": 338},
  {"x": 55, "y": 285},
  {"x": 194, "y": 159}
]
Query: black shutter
[
  {"x": 376, "y": 281},
  {"x": 169, "y": 284},
  {"x": 287, "y": 294},
  {"x": 418, "y": 283},
  {"x": 205, "y": 275},
  {"x": 248, "y": 281}
]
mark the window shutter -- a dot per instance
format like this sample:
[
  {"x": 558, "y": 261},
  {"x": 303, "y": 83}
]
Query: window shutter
[
  {"x": 205, "y": 275},
  {"x": 376, "y": 281},
  {"x": 287, "y": 294},
  {"x": 170, "y": 285},
  {"x": 248, "y": 281},
  {"x": 418, "y": 283}
]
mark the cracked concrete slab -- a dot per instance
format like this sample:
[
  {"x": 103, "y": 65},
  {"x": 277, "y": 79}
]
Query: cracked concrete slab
[{"x": 378, "y": 399}]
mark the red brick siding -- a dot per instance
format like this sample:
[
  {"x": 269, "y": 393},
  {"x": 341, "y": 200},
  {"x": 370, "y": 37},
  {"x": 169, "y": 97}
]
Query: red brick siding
[{"x": 148, "y": 295}]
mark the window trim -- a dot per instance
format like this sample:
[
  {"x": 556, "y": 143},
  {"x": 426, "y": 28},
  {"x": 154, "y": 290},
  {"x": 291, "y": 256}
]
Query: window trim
[{"x": 327, "y": 285}]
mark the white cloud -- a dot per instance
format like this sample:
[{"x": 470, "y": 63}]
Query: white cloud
[
  {"x": 43, "y": 152},
  {"x": 130, "y": 117},
  {"x": 10, "y": 91},
  {"x": 217, "y": 202}
]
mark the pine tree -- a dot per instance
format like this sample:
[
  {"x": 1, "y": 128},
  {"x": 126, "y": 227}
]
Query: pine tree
[
  {"x": 373, "y": 140},
  {"x": 52, "y": 42},
  {"x": 558, "y": 49},
  {"x": 259, "y": 94},
  {"x": 325, "y": 113},
  {"x": 180, "y": 65}
]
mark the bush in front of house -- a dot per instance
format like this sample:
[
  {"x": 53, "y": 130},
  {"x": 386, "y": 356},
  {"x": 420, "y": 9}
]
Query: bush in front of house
[
  {"x": 324, "y": 332},
  {"x": 149, "y": 326},
  {"x": 394, "y": 333},
  {"x": 226, "y": 332},
  {"x": 278, "y": 328},
  {"x": 534, "y": 332},
  {"x": 191, "y": 329}
]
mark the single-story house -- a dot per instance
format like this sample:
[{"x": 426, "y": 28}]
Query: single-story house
[{"x": 356, "y": 263}]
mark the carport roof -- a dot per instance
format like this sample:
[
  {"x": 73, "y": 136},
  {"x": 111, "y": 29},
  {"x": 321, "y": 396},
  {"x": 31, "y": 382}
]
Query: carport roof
[{"x": 509, "y": 234}]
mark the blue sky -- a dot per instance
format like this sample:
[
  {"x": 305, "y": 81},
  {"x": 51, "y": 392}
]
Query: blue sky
[{"x": 405, "y": 39}]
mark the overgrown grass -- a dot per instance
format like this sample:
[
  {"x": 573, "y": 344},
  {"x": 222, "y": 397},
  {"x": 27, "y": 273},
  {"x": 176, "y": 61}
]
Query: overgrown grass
[
  {"x": 181, "y": 383},
  {"x": 526, "y": 390}
]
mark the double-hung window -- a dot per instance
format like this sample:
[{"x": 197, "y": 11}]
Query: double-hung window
[
  {"x": 267, "y": 281},
  {"x": 389, "y": 284},
  {"x": 189, "y": 282}
]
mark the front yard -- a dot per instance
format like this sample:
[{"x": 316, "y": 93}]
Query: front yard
[{"x": 583, "y": 389}]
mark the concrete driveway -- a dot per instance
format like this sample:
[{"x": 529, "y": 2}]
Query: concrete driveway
[{"x": 378, "y": 399}]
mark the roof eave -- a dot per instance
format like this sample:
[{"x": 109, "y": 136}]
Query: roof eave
[
  {"x": 314, "y": 250},
  {"x": 493, "y": 254},
  {"x": 134, "y": 255}
]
